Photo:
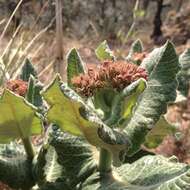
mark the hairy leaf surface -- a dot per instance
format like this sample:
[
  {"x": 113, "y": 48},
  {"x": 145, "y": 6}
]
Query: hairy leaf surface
[
  {"x": 52, "y": 168},
  {"x": 162, "y": 66},
  {"x": 136, "y": 47},
  {"x": 15, "y": 169},
  {"x": 184, "y": 75},
  {"x": 27, "y": 70},
  {"x": 65, "y": 160},
  {"x": 72, "y": 114},
  {"x": 75, "y": 66},
  {"x": 124, "y": 102},
  {"x": 33, "y": 92},
  {"x": 148, "y": 173},
  {"x": 103, "y": 52}
]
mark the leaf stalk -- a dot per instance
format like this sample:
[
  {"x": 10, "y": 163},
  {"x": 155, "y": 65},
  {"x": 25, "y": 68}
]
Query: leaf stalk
[
  {"x": 105, "y": 161},
  {"x": 28, "y": 148}
]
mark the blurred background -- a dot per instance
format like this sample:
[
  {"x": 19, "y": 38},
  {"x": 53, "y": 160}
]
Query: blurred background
[
  {"x": 29, "y": 31},
  {"x": 86, "y": 23}
]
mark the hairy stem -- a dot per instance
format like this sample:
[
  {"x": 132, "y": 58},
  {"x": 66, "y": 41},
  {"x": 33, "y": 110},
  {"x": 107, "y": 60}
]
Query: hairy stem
[
  {"x": 28, "y": 148},
  {"x": 105, "y": 161}
]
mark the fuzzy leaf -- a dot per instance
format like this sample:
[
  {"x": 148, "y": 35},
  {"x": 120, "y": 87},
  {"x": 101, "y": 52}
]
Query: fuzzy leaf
[
  {"x": 157, "y": 134},
  {"x": 33, "y": 93},
  {"x": 117, "y": 107},
  {"x": 75, "y": 66},
  {"x": 61, "y": 109},
  {"x": 52, "y": 169},
  {"x": 72, "y": 114},
  {"x": 131, "y": 101},
  {"x": 17, "y": 118},
  {"x": 136, "y": 47},
  {"x": 11, "y": 150},
  {"x": 141, "y": 153},
  {"x": 103, "y": 99},
  {"x": 103, "y": 52},
  {"x": 15, "y": 169},
  {"x": 37, "y": 98},
  {"x": 183, "y": 76},
  {"x": 64, "y": 161},
  {"x": 162, "y": 66},
  {"x": 150, "y": 173},
  {"x": 123, "y": 103},
  {"x": 27, "y": 70}
]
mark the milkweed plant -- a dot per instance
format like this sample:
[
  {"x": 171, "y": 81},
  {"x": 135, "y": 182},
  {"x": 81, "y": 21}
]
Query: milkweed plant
[{"x": 93, "y": 124}]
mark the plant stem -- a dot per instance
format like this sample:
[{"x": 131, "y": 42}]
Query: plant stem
[
  {"x": 105, "y": 160},
  {"x": 28, "y": 148}
]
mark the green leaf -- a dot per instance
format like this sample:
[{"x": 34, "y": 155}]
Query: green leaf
[
  {"x": 136, "y": 47},
  {"x": 131, "y": 101},
  {"x": 62, "y": 111},
  {"x": 37, "y": 98},
  {"x": 150, "y": 173},
  {"x": 141, "y": 153},
  {"x": 11, "y": 150},
  {"x": 52, "y": 169},
  {"x": 117, "y": 107},
  {"x": 72, "y": 114},
  {"x": 75, "y": 66},
  {"x": 17, "y": 118},
  {"x": 123, "y": 103},
  {"x": 184, "y": 59},
  {"x": 15, "y": 169},
  {"x": 156, "y": 173},
  {"x": 103, "y": 100},
  {"x": 64, "y": 161},
  {"x": 157, "y": 134},
  {"x": 27, "y": 70},
  {"x": 103, "y": 52},
  {"x": 162, "y": 66},
  {"x": 33, "y": 93},
  {"x": 183, "y": 76}
]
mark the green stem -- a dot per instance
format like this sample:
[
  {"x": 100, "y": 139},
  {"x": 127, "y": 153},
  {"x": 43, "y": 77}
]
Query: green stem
[
  {"x": 105, "y": 161},
  {"x": 28, "y": 148}
]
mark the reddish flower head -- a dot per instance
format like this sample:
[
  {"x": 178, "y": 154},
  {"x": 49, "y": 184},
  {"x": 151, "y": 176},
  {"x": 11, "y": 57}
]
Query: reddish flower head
[
  {"x": 109, "y": 74},
  {"x": 17, "y": 86}
]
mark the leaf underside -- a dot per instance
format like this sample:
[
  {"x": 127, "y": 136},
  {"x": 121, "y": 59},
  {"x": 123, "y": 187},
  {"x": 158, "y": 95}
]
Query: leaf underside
[{"x": 17, "y": 118}]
